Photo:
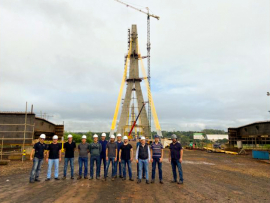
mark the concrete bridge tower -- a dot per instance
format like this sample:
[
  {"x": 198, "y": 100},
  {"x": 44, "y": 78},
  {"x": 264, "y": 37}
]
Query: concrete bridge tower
[{"x": 133, "y": 85}]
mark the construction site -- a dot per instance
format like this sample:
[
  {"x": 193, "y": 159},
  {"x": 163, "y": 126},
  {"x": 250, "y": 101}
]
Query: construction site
[{"x": 228, "y": 165}]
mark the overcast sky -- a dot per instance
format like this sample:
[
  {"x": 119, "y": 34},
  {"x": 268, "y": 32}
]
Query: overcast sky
[{"x": 210, "y": 60}]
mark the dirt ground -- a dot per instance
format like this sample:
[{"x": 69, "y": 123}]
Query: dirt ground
[{"x": 208, "y": 177}]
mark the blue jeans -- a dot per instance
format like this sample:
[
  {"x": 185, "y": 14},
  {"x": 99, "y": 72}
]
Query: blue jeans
[
  {"x": 178, "y": 164},
  {"x": 103, "y": 158},
  {"x": 71, "y": 160},
  {"x": 143, "y": 172},
  {"x": 124, "y": 163},
  {"x": 118, "y": 165},
  {"x": 92, "y": 162},
  {"x": 52, "y": 162},
  {"x": 37, "y": 163},
  {"x": 83, "y": 161},
  {"x": 143, "y": 164},
  {"x": 156, "y": 162},
  {"x": 108, "y": 164}
]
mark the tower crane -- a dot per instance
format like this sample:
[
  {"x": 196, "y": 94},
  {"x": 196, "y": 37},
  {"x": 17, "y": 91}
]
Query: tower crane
[{"x": 148, "y": 53}]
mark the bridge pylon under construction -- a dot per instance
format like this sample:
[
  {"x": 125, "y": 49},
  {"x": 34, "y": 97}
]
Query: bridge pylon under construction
[{"x": 134, "y": 102}]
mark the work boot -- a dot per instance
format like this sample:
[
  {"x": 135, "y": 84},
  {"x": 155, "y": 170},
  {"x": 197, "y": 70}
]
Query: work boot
[
  {"x": 91, "y": 178},
  {"x": 147, "y": 182},
  {"x": 144, "y": 177},
  {"x": 105, "y": 179},
  {"x": 47, "y": 179},
  {"x": 72, "y": 177},
  {"x": 37, "y": 180},
  {"x": 64, "y": 178},
  {"x": 180, "y": 182},
  {"x": 80, "y": 177},
  {"x": 57, "y": 178},
  {"x": 161, "y": 181},
  {"x": 124, "y": 178},
  {"x": 152, "y": 181},
  {"x": 98, "y": 178},
  {"x": 131, "y": 179},
  {"x": 31, "y": 181},
  {"x": 85, "y": 177},
  {"x": 173, "y": 181},
  {"x": 139, "y": 181},
  {"x": 121, "y": 176}
]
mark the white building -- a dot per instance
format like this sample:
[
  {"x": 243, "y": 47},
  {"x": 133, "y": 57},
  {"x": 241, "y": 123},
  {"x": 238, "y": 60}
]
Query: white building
[
  {"x": 215, "y": 137},
  {"x": 198, "y": 136}
]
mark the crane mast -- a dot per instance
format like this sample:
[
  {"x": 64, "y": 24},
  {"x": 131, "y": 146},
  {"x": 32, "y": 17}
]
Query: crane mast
[{"x": 148, "y": 55}]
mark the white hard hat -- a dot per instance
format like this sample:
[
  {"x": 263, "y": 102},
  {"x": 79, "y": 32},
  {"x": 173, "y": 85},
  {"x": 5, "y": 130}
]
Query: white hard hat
[
  {"x": 142, "y": 138},
  {"x": 95, "y": 135},
  {"x": 69, "y": 136},
  {"x": 119, "y": 135},
  {"x": 112, "y": 136},
  {"x": 43, "y": 136},
  {"x": 84, "y": 137},
  {"x": 103, "y": 135},
  {"x": 55, "y": 137},
  {"x": 125, "y": 138}
]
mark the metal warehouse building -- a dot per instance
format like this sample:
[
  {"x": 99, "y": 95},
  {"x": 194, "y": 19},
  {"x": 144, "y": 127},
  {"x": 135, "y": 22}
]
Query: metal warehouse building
[
  {"x": 257, "y": 133},
  {"x": 15, "y": 130}
]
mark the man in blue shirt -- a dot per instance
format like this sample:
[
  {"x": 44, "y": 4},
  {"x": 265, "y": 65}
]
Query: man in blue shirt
[
  {"x": 176, "y": 157},
  {"x": 117, "y": 163},
  {"x": 103, "y": 143},
  {"x": 157, "y": 157}
]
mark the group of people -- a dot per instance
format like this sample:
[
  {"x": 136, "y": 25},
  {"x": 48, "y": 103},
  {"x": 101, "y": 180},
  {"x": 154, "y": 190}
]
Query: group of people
[{"x": 117, "y": 153}]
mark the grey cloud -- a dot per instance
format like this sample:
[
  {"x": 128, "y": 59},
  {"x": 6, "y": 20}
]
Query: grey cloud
[{"x": 210, "y": 60}]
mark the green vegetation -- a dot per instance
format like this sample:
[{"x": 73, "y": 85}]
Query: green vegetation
[
  {"x": 77, "y": 137},
  {"x": 186, "y": 137}
]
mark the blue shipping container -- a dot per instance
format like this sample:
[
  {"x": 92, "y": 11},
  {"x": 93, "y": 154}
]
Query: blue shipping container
[{"x": 260, "y": 155}]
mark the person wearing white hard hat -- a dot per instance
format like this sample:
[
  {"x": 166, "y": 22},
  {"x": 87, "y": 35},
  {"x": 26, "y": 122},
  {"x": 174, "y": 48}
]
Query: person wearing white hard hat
[
  {"x": 118, "y": 163},
  {"x": 176, "y": 158},
  {"x": 143, "y": 158},
  {"x": 69, "y": 148},
  {"x": 126, "y": 157},
  {"x": 137, "y": 145},
  {"x": 53, "y": 158},
  {"x": 95, "y": 150},
  {"x": 83, "y": 148},
  {"x": 111, "y": 154},
  {"x": 39, "y": 149},
  {"x": 103, "y": 143}
]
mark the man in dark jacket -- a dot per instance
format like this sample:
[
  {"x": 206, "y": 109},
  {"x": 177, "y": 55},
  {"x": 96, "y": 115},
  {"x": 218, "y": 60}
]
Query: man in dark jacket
[
  {"x": 143, "y": 158},
  {"x": 95, "y": 149},
  {"x": 39, "y": 149}
]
